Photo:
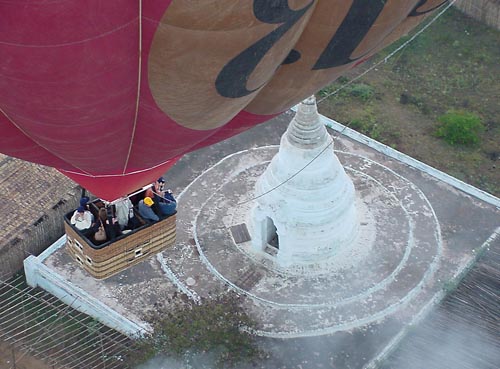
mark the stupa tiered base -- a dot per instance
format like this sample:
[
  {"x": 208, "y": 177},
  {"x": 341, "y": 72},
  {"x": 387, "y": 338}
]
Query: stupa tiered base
[
  {"x": 304, "y": 204},
  {"x": 396, "y": 253}
]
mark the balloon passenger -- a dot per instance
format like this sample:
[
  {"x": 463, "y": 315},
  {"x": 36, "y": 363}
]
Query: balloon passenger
[
  {"x": 84, "y": 202},
  {"x": 146, "y": 211},
  {"x": 111, "y": 226},
  {"x": 164, "y": 201},
  {"x": 99, "y": 230},
  {"x": 82, "y": 219},
  {"x": 125, "y": 213},
  {"x": 169, "y": 204}
]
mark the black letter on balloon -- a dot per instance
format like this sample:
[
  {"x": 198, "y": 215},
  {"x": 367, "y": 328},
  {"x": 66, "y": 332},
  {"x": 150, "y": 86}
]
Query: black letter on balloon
[
  {"x": 232, "y": 79},
  {"x": 416, "y": 13},
  {"x": 355, "y": 26}
]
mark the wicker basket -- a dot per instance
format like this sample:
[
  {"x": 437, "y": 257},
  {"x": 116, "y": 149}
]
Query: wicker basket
[{"x": 129, "y": 249}]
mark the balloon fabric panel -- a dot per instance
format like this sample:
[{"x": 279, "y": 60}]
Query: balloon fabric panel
[{"x": 112, "y": 93}]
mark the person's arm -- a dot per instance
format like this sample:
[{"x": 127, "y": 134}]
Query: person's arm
[
  {"x": 152, "y": 215},
  {"x": 169, "y": 196},
  {"x": 89, "y": 216},
  {"x": 149, "y": 192},
  {"x": 147, "y": 213}
]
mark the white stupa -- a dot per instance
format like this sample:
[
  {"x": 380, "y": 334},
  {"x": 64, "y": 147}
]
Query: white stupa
[{"x": 306, "y": 220}]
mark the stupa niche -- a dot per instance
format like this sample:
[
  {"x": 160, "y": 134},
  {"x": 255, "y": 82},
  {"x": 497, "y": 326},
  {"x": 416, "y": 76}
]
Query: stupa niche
[{"x": 306, "y": 213}]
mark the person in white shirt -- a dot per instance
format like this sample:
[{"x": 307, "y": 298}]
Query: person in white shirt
[
  {"x": 124, "y": 211},
  {"x": 82, "y": 219}
]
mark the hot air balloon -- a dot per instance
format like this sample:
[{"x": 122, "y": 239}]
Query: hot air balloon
[{"x": 112, "y": 93}]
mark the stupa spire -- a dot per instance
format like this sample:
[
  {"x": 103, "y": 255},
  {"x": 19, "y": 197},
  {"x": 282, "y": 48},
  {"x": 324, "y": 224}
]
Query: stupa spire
[
  {"x": 308, "y": 212},
  {"x": 306, "y": 130}
]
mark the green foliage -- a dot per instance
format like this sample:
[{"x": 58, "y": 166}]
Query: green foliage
[
  {"x": 362, "y": 91},
  {"x": 418, "y": 101},
  {"x": 367, "y": 125},
  {"x": 461, "y": 75},
  {"x": 342, "y": 80},
  {"x": 459, "y": 127},
  {"x": 331, "y": 88},
  {"x": 217, "y": 326},
  {"x": 327, "y": 90}
]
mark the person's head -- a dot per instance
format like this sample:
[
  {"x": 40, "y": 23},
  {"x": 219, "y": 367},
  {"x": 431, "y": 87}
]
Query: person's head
[
  {"x": 103, "y": 215},
  {"x": 84, "y": 201},
  {"x": 148, "y": 201},
  {"x": 160, "y": 183},
  {"x": 80, "y": 209}
]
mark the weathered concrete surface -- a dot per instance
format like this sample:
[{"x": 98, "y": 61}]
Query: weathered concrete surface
[
  {"x": 395, "y": 256},
  {"x": 32, "y": 200},
  {"x": 445, "y": 228}
]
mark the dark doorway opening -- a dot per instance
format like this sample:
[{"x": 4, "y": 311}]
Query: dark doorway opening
[{"x": 272, "y": 238}]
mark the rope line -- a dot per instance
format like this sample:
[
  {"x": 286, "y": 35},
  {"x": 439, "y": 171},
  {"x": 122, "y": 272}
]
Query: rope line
[
  {"x": 32, "y": 329},
  {"x": 138, "y": 95},
  {"x": 384, "y": 60},
  {"x": 289, "y": 178},
  {"x": 50, "y": 325}
]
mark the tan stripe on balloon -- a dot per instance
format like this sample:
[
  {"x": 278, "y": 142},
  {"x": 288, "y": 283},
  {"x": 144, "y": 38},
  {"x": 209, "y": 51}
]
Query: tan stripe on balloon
[{"x": 191, "y": 46}]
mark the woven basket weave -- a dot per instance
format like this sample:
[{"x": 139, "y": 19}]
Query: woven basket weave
[{"x": 112, "y": 257}]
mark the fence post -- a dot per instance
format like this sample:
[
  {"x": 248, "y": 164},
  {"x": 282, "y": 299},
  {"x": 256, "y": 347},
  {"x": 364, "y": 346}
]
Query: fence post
[{"x": 14, "y": 366}]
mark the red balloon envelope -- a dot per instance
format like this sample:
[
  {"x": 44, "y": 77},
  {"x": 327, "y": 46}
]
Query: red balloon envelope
[{"x": 112, "y": 93}]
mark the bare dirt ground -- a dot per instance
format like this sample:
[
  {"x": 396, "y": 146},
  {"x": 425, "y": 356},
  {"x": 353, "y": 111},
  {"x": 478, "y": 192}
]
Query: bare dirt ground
[
  {"x": 453, "y": 65},
  {"x": 14, "y": 359}
]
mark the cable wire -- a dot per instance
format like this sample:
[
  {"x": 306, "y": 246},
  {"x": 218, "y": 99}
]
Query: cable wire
[{"x": 384, "y": 60}]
